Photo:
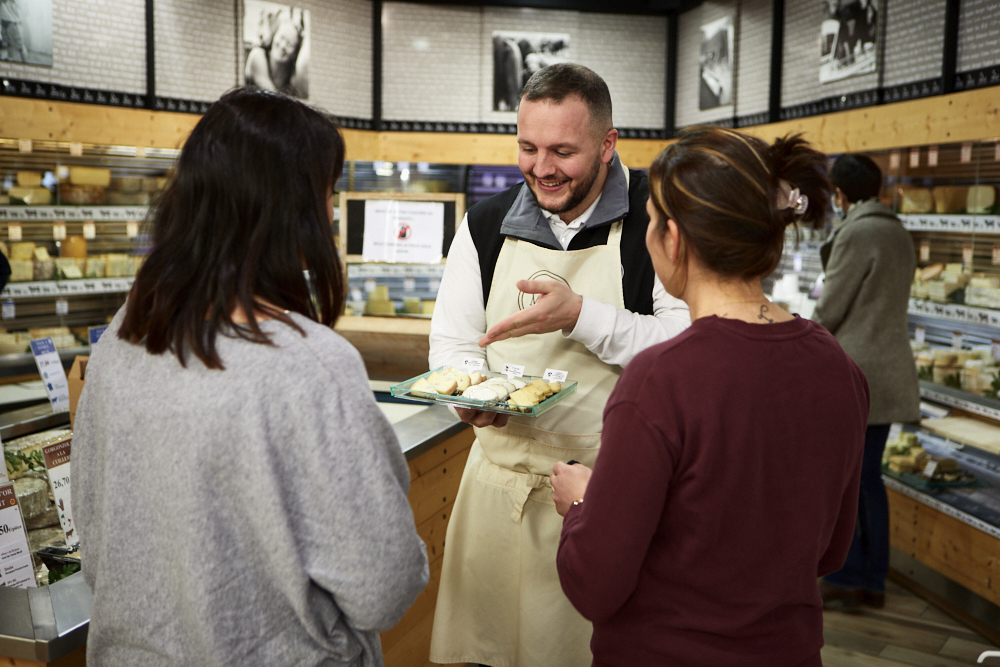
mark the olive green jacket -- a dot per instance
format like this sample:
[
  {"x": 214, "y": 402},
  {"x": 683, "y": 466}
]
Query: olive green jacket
[{"x": 869, "y": 264}]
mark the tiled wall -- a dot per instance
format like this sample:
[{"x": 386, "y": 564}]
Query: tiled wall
[
  {"x": 978, "y": 34},
  {"x": 95, "y": 44},
  {"x": 195, "y": 48},
  {"x": 340, "y": 67},
  {"x": 914, "y": 40},
  {"x": 438, "y": 60}
]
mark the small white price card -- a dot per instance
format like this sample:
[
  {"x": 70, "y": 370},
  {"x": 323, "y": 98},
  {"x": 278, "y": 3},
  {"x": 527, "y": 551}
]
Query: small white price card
[
  {"x": 796, "y": 264},
  {"x": 966, "y": 154},
  {"x": 967, "y": 254},
  {"x": 89, "y": 230},
  {"x": 435, "y": 284},
  {"x": 24, "y": 145},
  {"x": 140, "y": 152},
  {"x": 932, "y": 156},
  {"x": 14, "y": 231},
  {"x": 996, "y": 152},
  {"x": 914, "y": 157},
  {"x": 995, "y": 349},
  {"x": 16, "y": 568},
  {"x": 473, "y": 364},
  {"x": 513, "y": 370},
  {"x": 930, "y": 468},
  {"x": 894, "y": 160},
  {"x": 996, "y": 254},
  {"x": 131, "y": 229},
  {"x": 53, "y": 375},
  {"x": 925, "y": 251},
  {"x": 894, "y": 432},
  {"x": 370, "y": 285},
  {"x": 409, "y": 284},
  {"x": 553, "y": 375},
  {"x": 62, "y": 306},
  {"x": 56, "y": 458},
  {"x": 8, "y": 310},
  {"x": 59, "y": 231},
  {"x": 956, "y": 340},
  {"x": 75, "y": 149},
  {"x": 920, "y": 335}
]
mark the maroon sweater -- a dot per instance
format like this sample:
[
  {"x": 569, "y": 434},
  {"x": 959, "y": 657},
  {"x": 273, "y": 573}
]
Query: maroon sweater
[{"x": 727, "y": 482}]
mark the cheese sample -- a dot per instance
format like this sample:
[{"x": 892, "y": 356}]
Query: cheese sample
[
  {"x": 421, "y": 387},
  {"x": 29, "y": 179},
  {"x": 949, "y": 198},
  {"x": 32, "y": 196},
  {"x": 916, "y": 200},
  {"x": 22, "y": 250},
  {"x": 90, "y": 176},
  {"x": 980, "y": 198},
  {"x": 41, "y": 254},
  {"x": 523, "y": 398},
  {"x": 445, "y": 386}
]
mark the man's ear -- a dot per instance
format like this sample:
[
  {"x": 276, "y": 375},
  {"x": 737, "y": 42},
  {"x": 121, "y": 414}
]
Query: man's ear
[{"x": 608, "y": 145}]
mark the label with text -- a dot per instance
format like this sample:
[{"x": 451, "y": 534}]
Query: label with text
[
  {"x": 967, "y": 254},
  {"x": 53, "y": 375},
  {"x": 956, "y": 340},
  {"x": 57, "y": 462},
  {"x": 920, "y": 335},
  {"x": 59, "y": 231},
  {"x": 89, "y": 230},
  {"x": 513, "y": 370},
  {"x": 930, "y": 468},
  {"x": 925, "y": 251},
  {"x": 8, "y": 310},
  {"x": 914, "y": 157},
  {"x": 62, "y": 306},
  {"x": 409, "y": 284},
  {"x": 16, "y": 568},
  {"x": 14, "y": 232},
  {"x": 474, "y": 364},
  {"x": 554, "y": 375},
  {"x": 131, "y": 229},
  {"x": 932, "y": 156},
  {"x": 966, "y": 153}
]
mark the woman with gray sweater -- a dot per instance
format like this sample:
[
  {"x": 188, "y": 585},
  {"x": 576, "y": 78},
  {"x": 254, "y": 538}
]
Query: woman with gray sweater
[{"x": 240, "y": 497}]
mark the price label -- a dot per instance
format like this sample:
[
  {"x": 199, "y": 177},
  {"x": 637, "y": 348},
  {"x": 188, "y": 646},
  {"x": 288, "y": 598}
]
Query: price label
[
  {"x": 914, "y": 157},
  {"x": 76, "y": 149},
  {"x": 24, "y": 145},
  {"x": 140, "y": 151},
  {"x": 62, "y": 307},
  {"x": 925, "y": 251},
  {"x": 956, "y": 340},
  {"x": 932, "y": 156},
  {"x": 17, "y": 570},
  {"x": 894, "y": 160},
  {"x": 370, "y": 285},
  {"x": 930, "y": 468},
  {"x": 473, "y": 364},
  {"x": 996, "y": 255},
  {"x": 57, "y": 460},
  {"x": 553, "y": 375},
  {"x": 131, "y": 229},
  {"x": 920, "y": 335},
  {"x": 796, "y": 263},
  {"x": 89, "y": 230},
  {"x": 967, "y": 254},
  {"x": 59, "y": 231},
  {"x": 14, "y": 231},
  {"x": 435, "y": 284},
  {"x": 894, "y": 432},
  {"x": 409, "y": 284},
  {"x": 996, "y": 152},
  {"x": 53, "y": 375},
  {"x": 995, "y": 349},
  {"x": 8, "y": 309},
  {"x": 513, "y": 370},
  {"x": 94, "y": 334},
  {"x": 966, "y": 153}
]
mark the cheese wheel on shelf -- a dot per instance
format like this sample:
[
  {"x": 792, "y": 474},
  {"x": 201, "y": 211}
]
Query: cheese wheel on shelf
[
  {"x": 916, "y": 200},
  {"x": 37, "y": 196},
  {"x": 949, "y": 198},
  {"x": 90, "y": 176},
  {"x": 82, "y": 194},
  {"x": 73, "y": 246}
]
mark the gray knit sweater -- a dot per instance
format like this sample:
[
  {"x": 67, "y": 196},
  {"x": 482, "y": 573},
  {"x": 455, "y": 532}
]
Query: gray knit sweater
[{"x": 251, "y": 516}]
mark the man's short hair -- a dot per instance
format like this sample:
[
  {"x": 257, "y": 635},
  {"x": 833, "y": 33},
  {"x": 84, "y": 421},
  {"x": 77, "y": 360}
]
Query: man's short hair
[
  {"x": 562, "y": 80},
  {"x": 857, "y": 176}
]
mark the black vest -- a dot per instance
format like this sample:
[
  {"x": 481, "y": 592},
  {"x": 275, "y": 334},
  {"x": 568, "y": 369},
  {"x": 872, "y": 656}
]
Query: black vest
[{"x": 638, "y": 275}]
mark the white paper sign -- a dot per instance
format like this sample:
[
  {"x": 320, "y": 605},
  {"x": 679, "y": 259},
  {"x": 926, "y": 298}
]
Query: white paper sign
[
  {"x": 59, "y": 231},
  {"x": 62, "y": 306},
  {"x": 8, "y": 310},
  {"x": 53, "y": 375},
  {"x": 920, "y": 335},
  {"x": 932, "y": 156},
  {"x": 14, "y": 232},
  {"x": 513, "y": 370},
  {"x": 930, "y": 468},
  {"x": 956, "y": 340},
  {"x": 409, "y": 284},
  {"x": 89, "y": 230},
  {"x": 473, "y": 364},
  {"x": 403, "y": 231},
  {"x": 16, "y": 568},
  {"x": 57, "y": 457},
  {"x": 894, "y": 432},
  {"x": 553, "y": 375}
]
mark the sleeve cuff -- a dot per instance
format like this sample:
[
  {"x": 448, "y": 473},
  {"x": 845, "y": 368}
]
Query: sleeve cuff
[{"x": 595, "y": 324}]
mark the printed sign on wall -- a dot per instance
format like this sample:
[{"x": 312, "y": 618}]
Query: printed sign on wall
[
  {"x": 276, "y": 47},
  {"x": 849, "y": 39}
]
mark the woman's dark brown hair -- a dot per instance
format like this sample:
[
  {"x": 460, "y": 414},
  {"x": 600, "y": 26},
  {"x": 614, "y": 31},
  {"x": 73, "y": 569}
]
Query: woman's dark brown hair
[
  {"x": 245, "y": 214},
  {"x": 724, "y": 190}
]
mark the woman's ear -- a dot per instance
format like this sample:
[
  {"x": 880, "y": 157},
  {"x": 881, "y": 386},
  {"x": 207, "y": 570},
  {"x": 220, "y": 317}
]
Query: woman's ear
[{"x": 672, "y": 239}]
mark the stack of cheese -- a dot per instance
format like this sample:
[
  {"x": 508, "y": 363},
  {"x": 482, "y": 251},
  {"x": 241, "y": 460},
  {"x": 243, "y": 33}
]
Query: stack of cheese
[
  {"x": 14, "y": 343},
  {"x": 939, "y": 282},
  {"x": 134, "y": 191},
  {"x": 904, "y": 454},
  {"x": 83, "y": 185},
  {"x": 983, "y": 290},
  {"x": 516, "y": 392},
  {"x": 29, "y": 190},
  {"x": 915, "y": 200}
]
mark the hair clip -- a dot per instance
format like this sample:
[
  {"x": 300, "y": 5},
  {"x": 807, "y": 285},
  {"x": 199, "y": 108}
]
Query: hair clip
[{"x": 795, "y": 200}]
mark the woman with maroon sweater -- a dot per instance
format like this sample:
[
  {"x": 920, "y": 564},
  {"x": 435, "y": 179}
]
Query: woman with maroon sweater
[{"x": 727, "y": 480}]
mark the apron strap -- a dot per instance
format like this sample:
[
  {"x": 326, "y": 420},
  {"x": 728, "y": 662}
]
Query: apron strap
[{"x": 519, "y": 485}]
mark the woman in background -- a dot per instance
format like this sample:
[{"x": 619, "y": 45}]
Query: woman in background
[
  {"x": 281, "y": 61},
  {"x": 727, "y": 479},
  {"x": 241, "y": 497}
]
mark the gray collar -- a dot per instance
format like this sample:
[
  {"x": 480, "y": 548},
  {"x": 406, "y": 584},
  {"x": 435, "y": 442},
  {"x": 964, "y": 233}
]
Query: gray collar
[{"x": 525, "y": 221}]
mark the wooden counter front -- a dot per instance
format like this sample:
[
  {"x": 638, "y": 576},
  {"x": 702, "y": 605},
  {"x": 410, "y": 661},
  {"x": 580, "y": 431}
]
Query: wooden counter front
[{"x": 393, "y": 348}]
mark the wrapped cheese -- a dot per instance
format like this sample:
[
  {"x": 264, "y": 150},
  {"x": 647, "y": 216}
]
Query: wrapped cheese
[
  {"x": 95, "y": 267},
  {"x": 88, "y": 195},
  {"x": 29, "y": 179},
  {"x": 916, "y": 200},
  {"x": 73, "y": 246},
  {"x": 22, "y": 250},
  {"x": 90, "y": 176},
  {"x": 980, "y": 198},
  {"x": 32, "y": 196},
  {"x": 21, "y": 270},
  {"x": 949, "y": 198}
]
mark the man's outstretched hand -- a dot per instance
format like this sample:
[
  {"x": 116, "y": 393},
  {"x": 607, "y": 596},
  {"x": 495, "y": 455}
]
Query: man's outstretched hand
[{"x": 557, "y": 308}]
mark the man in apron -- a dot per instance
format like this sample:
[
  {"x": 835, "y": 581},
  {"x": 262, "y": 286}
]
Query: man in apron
[{"x": 552, "y": 275}]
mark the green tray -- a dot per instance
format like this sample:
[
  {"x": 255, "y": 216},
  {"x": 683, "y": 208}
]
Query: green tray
[
  {"x": 402, "y": 390},
  {"x": 923, "y": 484}
]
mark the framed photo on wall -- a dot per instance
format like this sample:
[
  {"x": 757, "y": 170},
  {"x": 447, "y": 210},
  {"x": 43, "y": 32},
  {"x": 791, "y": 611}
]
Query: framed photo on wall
[
  {"x": 849, "y": 39},
  {"x": 715, "y": 64},
  {"x": 276, "y": 47},
  {"x": 26, "y": 31},
  {"x": 518, "y": 55}
]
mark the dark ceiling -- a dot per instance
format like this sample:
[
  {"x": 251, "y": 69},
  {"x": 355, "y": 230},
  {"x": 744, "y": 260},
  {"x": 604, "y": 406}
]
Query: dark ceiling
[{"x": 660, "y": 7}]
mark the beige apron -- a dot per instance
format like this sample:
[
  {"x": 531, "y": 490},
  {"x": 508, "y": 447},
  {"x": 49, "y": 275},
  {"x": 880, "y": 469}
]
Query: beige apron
[{"x": 500, "y": 602}]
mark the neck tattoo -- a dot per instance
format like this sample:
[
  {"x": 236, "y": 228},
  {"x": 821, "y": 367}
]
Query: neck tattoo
[{"x": 762, "y": 316}]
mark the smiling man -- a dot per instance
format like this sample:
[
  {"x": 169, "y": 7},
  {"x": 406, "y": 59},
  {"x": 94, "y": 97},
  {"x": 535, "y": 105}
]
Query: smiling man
[{"x": 550, "y": 274}]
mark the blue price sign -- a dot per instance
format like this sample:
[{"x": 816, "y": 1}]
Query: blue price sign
[{"x": 94, "y": 334}]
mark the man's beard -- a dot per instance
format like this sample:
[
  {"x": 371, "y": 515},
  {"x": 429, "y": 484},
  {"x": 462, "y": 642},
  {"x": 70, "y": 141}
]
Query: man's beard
[{"x": 578, "y": 194}]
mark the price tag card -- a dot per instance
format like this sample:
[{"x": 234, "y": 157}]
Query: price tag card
[
  {"x": 24, "y": 145},
  {"x": 89, "y": 230},
  {"x": 995, "y": 349},
  {"x": 966, "y": 154},
  {"x": 94, "y": 334},
  {"x": 996, "y": 152},
  {"x": 131, "y": 229},
  {"x": 996, "y": 254},
  {"x": 513, "y": 370},
  {"x": 932, "y": 156},
  {"x": 894, "y": 432},
  {"x": 59, "y": 231},
  {"x": 409, "y": 284},
  {"x": 14, "y": 231},
  {"x": 62, "y": 306},
  {"x": 370, "y": 285},
  {"x": 75, "y": 149},
  {"x": 56, "y": 458},
  {"x": 53, "y": 375},
  {"x": 894, "y": 160},
  {"x": 956, "y": 340},
  {"x": 16, "y": 568},
  {"x": 920, "y": 335},
  {"x": 553, "y": 375},
  {"x": 140, "y": 151},
  {"x": 914, "y": 157},
  {"x": 967, "y": 254},
  {"x": 796, "y": 264},
  {"x": 8, "y": 309},
  {"x": 435, "y": 284},
  {"x": 473, "y": 364},
  {"x": 930, "y": 468},
  {"x": 925, "y": 251}
]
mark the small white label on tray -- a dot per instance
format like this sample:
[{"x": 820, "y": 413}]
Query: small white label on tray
[
  {"x": 930, "y": 468},
  {"x": 956, "y": 340},
  {"x": 894, "y": 432},
  {"x": 553, "y": 375},
  {"x": 513, "y": 370},
  {"x": 474, "y": 364}
]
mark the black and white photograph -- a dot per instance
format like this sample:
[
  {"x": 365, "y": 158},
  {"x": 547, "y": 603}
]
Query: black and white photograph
[
  {"x": 715, "y": 64},
  {"x": 276, "y": 45},
  {"x": 26, "y": 31},
  {"x": 849, "y": 38},
  {"x": 518, "y": 55}
]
